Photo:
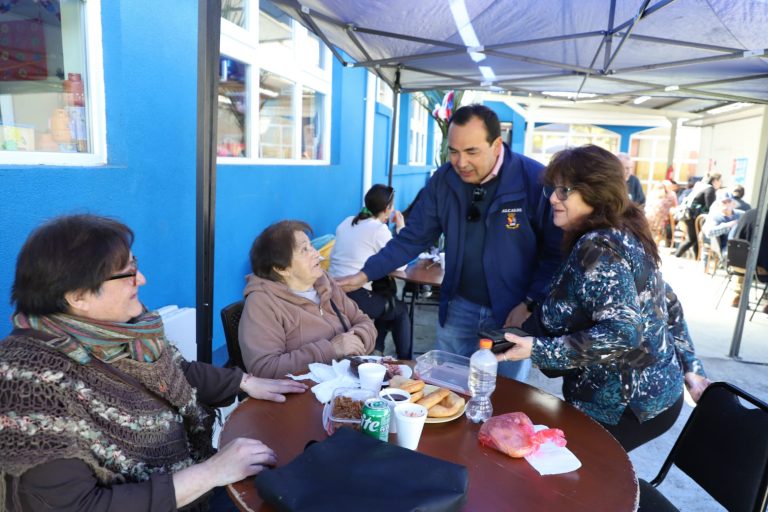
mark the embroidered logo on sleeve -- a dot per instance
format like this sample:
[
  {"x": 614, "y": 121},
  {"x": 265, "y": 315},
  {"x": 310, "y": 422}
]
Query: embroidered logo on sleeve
[{"x": 512, "y": 222}]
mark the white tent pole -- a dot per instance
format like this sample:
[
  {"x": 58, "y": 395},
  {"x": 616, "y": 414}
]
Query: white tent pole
[
  {"x": 757, "y": 236},
  {"x": 672, "y": 142},
  {"x": 530, "y": 125}
]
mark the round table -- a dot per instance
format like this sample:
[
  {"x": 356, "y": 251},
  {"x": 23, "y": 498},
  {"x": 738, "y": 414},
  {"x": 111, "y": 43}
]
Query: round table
[
  {"x": 422, "y": 272},
  {"x": 606, "y": 480}
]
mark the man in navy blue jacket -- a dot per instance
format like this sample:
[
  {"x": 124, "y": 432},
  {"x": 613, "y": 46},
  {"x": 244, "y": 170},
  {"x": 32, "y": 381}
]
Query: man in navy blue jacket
[{"x": 501, "y": 246}]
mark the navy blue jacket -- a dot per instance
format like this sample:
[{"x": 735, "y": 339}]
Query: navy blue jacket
[{"x": 522, "y": 246}]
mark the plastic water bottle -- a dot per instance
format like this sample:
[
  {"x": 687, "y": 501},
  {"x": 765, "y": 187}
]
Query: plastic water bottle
[{"x": 482, "y": 382}]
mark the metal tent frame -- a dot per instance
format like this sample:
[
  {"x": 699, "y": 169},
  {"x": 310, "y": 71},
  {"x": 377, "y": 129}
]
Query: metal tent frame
[{"x": 607, "y": 51}]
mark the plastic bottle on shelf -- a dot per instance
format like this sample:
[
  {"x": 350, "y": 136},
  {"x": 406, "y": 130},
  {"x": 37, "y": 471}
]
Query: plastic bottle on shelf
[
  {"x": 74, "y": 94},
  {"x": 482, "y": 382}
]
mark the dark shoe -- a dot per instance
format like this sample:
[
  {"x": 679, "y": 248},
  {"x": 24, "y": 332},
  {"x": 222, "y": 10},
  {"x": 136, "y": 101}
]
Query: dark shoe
[{"x": 735, "y": 301}]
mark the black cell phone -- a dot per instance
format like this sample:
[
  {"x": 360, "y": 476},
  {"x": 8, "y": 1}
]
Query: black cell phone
[{"x": 500, "y": 344}]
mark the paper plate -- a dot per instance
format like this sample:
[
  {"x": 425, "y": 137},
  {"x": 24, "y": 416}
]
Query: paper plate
[{"x": 430, "y": 388}]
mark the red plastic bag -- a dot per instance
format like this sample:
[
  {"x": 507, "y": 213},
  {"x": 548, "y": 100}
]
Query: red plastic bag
[{"x": 513, "y": 434}]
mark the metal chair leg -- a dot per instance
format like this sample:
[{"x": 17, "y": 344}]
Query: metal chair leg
[{"x": 723, "y": 292}]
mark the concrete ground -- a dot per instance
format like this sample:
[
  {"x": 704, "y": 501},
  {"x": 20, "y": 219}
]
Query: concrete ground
[{"x": 711, "y": 329}]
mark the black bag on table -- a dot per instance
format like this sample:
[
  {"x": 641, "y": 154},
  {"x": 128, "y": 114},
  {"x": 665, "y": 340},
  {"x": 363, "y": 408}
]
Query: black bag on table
[{"x": 353, "y": 471}]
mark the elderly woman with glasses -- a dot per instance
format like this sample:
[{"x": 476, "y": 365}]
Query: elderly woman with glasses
[
  {"x": 357, "y": 238},
  {"x": 98, "y": 411},
  {"x": 294, "y": 313},
  {"x": 609, "y": 324}
]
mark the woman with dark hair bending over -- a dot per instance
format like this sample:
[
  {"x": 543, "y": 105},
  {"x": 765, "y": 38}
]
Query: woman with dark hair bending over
[
  {"x": 609, "y": 322},
  {"x": 358, "y": 238},
  {"x": 98, "y": 411}
]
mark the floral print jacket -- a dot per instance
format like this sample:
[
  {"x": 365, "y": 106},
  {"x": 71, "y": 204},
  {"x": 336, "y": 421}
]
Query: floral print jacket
[{"x": 617, "y": 328}]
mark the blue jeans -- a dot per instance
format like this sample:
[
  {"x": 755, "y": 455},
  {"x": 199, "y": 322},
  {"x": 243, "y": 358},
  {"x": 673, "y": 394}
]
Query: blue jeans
[{"x": 459, "y": 335}]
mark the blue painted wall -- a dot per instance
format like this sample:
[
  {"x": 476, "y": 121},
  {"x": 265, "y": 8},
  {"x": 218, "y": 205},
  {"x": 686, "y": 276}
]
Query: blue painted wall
[
  {"x": 149, "y": 181},
  {"x": 507, "y": 115}
]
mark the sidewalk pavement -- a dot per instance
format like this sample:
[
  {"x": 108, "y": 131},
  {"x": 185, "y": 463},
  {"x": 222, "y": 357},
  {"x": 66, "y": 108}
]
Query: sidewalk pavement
[{"x": 711, "y": 329}]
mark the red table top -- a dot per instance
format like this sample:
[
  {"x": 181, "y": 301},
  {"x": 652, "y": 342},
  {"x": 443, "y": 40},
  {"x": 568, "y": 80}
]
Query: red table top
[{"x": 606, "y": 480}]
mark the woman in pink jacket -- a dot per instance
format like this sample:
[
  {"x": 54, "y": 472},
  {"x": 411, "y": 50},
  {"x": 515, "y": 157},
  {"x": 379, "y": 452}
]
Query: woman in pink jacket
[{"x": 294, "y": 313}]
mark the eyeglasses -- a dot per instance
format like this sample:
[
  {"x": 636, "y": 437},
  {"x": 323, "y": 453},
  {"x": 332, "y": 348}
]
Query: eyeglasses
[
  {"x": 473, "y": 214},
  {"x": 560, "y": 191},
  {"x": 131, "y": 274}
]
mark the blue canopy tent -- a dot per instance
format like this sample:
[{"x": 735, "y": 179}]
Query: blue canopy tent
[{"x": 690, "y": 55}]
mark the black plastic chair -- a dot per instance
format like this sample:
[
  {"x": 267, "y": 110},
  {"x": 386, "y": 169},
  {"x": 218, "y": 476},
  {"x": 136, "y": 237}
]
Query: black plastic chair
[
  {"x": 723, "y": 448},
  {"x": 230, "y": 319},
  {"x": 735, "y": 262}
]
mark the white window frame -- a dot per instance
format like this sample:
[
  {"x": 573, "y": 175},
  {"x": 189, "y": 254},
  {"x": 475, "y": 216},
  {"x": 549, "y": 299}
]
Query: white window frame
[
  {"x": 417, "y": 133},
  {"x": 242, "y": 44},
  {"x": 569, "y": 136},
  {"x": 94, "y": 61}
]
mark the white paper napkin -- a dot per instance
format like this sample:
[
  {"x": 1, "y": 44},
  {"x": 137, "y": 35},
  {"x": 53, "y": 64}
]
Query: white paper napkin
[
  {"x": 429, "y": 256},
  {"x": 552, "y": 459},
  {"x": 328, "y": 378}
]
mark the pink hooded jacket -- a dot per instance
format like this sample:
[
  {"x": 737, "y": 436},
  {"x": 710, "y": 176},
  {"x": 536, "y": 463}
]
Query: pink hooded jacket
[{"x": 281, "y": 332}]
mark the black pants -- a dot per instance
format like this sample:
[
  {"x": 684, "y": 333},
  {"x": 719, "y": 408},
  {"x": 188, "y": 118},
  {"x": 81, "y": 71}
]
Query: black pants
[
  {"x": 387, "y": 315},
  {"x": 630, "y": 433},
  {"x": 690, "y": 231}
]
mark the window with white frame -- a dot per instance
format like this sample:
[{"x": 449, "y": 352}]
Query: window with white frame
[
  {"x": 51, "y": 83},
  {"x": 274, "y": 98},
  {"x": 551, "y": 138},
  {"x": 650, "y": 149},
  {"x": 417, "y": 133}
]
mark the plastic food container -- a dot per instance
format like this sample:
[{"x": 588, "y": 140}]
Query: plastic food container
[
  {"x": 445, "y": 370},
  {"x": 335, "y": 421}
]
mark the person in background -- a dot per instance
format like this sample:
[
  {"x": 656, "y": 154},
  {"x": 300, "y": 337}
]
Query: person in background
[
  {"x": 660, "y": 201},
  {"x": 721, "y": 219},
  {"x": 738, "y": 199},
  {"x": 98, "y": 411},
  {"x": 501, "y": 248},
  {"x": 359, "y": 237},
  {"x": 623, "y": 360},
  {"x": 697, "y": 202},
  {"x": 294, "y": 313},
  {"x": 634, "y": 188}
]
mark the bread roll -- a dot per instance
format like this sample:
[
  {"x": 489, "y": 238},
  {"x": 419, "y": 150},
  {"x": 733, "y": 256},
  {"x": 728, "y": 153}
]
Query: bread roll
[
  {"x": 449, "y": 406},
  {"x": 433, "y": 398},
  {"x": 410, "y": 385}
]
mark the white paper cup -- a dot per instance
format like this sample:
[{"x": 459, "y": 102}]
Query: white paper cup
[
  {"x": 394, "y": 396},
  {"x": 410, "y": 420},
  {"x": 371, "y": 376},
  {"x": 442, "y": 259}
]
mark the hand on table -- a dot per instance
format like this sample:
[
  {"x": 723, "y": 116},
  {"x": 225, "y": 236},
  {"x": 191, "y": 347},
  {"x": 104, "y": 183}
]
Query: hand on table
[
  {"x": 353, "y": 282},
  {"x": 240, "y": 458},
  {"x": 517, "y": 316},
  {"x": 270, "y": 389},
  {"x": 521, "y": 350},
  {"x": 696, "y": 384}
]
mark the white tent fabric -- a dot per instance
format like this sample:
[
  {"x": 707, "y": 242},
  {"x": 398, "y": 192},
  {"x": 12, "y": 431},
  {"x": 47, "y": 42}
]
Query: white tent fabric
[
  {"x": 679, "y": 52},
  {"x": 688, "y": 55}
]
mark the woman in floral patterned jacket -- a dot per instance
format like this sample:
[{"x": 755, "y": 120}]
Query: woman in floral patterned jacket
[{"x": 610, "y": 325}]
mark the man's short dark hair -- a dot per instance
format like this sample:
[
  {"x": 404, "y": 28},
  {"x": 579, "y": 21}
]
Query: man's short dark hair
[
  {"x": 68, "y": 253},
  {"x": 489, "y": 118},
  {"x": 273, "y": 248}
]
